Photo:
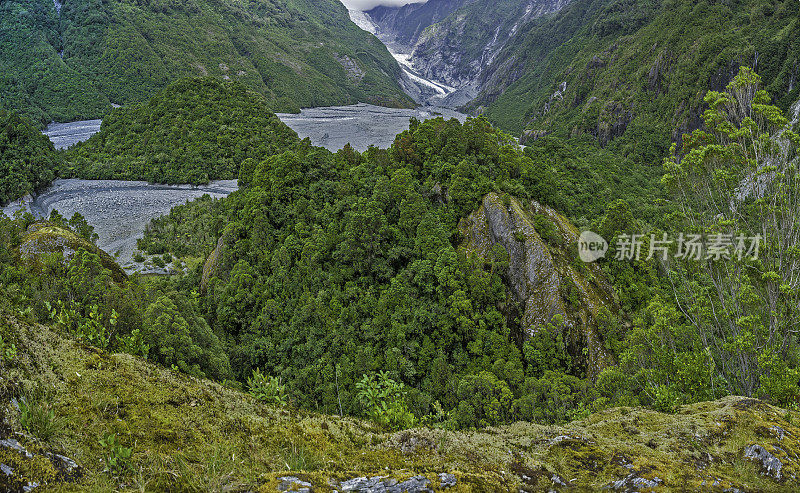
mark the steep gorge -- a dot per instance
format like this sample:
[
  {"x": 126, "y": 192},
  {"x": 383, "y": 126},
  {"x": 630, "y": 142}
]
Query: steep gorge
[{"x": 451, "y": 42}]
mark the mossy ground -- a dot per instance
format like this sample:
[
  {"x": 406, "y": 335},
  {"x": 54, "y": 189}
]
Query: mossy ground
[
  {"x": 44, "y": 238},
  {"x": 194, "y": 435}
]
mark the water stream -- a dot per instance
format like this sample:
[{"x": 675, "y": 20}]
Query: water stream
[{"x": 120, "y": 210}]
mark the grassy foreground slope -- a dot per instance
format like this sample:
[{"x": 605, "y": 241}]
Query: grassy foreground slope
[
  {"x": 188, "y": 434},
  {"x": 70, "y": 62}
]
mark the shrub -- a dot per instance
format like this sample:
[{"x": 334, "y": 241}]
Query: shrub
[
  {"x": 267, "y": 388},
  {"x": 484, "y": 399},
  {"x": 134, "y": 344},
  {"x": 384, "y": 401},
  {"x": 117, "y": 458},
  {"x": 7, "y": 352},
  {"x": 87, "y": 328}
]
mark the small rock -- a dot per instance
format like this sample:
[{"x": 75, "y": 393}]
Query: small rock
[
  {"x": 417, "y": 484},
  {"x": 69, "y": 469},
  {"x": 779, "y": 432},
  {"x": 447, "y": 480},
  {"x": 292, "y": 483},
  {"x": 354, "y": 484},
  {"x": 15, "y": 445},
  {"x": 632, "y": 482},
  {"x": 771, "y": 465}
]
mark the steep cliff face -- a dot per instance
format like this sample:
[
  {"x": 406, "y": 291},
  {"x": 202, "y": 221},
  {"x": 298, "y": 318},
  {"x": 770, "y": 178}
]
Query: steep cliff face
[
  {"x": 458, "y": 49},
  {"x": 451, "y": 42},
  {"x": 405, "y": 24},
  {"x": 545, "y": 274}
]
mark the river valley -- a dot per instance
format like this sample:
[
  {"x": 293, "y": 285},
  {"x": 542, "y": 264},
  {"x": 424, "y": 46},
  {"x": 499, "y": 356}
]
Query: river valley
[{"x": 120, "y": 210}]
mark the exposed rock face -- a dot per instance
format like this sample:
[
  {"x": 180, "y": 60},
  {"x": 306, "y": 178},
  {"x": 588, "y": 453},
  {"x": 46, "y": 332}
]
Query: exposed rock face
[
  {"x": 354, "y": 72},
  {"x": 441, "y": 52},
  {"x": 375, "y": 484},
  {"x": 212, "y": 262},
  {"x": 544, "y": 272},
  {"x": 452, "y": 42},
  {"x": 770, "y": 465},
  {"x": 405, "y": 24}
]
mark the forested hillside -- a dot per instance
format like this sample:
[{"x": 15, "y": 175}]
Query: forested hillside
[
  {"x": 71, "y": 61},
  {"x": 632, "y": 73},
  {"x": 193, "y": 131},
  {"x": 435, "y": 285},
  {"x": 28, "y": 160}
]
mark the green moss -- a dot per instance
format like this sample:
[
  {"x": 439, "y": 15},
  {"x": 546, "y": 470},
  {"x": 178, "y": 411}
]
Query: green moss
[
  {"x": 188, "y": 433},
  {"x": 44, "y": 238}
]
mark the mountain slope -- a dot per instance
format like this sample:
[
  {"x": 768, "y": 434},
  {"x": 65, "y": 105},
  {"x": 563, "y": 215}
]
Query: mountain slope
[
  {"x": 638, "y": 69},
  {"x": 458, "y": 49},
  {"x": 70, "y": 62},
  {"x": 405, "y": 24},
  {"x": 453, "y": 41}
]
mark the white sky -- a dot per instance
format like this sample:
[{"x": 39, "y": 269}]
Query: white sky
[{"x": 368, "y": 4}]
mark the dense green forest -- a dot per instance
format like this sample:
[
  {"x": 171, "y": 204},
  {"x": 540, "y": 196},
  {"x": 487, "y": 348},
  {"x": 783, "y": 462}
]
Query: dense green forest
[
  {"x": 193, "y": 131},
  {"x": 72, "y": 63},
  {"x": 28, "y": 160},
  {"x": 419, "y": 308},
  {"x": 632, "y": 73},
  {"x": 355, "y": 284},
  {"x": 335, "y": 279}
]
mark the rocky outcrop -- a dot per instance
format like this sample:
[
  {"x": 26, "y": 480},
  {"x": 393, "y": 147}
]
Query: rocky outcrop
[
  {"x": 457, "y": 50},
  {"x": 770, "y": 465},
  {"x": 374, "y": 484},
  {"x": 45, "y": 238},
  {"x": 544, "y": 272},
  {"x": 211, "y": 265},
  {"x": 22, "y": 470},
  {"x": 355, "y": 73}
]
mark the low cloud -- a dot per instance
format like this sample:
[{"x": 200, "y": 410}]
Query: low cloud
[{"x": 368, "y": 4}]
